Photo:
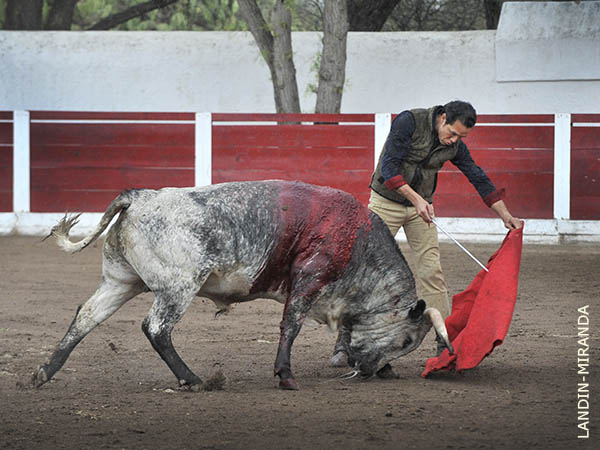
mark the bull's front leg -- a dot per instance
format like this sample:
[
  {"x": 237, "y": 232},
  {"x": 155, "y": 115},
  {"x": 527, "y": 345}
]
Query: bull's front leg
[{"x": 293, "y": 317}]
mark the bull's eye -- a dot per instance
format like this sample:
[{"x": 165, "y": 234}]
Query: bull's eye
[{"x": 407, "y": 342}]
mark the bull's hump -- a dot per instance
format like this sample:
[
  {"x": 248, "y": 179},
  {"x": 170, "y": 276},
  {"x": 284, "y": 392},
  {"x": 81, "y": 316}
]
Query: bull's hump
[{"x": 317, "y": 230}]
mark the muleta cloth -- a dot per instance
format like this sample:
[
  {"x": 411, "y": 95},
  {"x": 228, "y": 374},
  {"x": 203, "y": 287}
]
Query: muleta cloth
[{"x": 481, "y": 314}]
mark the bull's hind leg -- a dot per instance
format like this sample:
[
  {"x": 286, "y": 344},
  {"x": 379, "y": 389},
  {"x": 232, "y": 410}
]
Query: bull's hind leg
[
  {"x": 168, "y": 307},
  {"x": 109, "y": 296}
]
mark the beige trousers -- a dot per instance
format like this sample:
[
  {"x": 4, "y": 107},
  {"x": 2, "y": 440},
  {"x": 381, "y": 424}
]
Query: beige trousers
[{"x": 423, "y": 241}]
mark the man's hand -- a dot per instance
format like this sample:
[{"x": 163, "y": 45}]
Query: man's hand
[
  {"x": 510, "y": 222},
  {"x": 423, "y": 207}
]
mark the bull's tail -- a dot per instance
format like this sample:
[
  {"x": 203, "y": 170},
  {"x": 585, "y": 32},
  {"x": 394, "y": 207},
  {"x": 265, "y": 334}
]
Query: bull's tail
[{"x": 61, "y": 230}]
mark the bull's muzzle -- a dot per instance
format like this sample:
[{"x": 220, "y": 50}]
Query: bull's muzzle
[{"x": 436, "y": 319}]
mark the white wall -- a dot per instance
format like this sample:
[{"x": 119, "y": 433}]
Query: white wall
[
  {"x": 224, "y": 72},
  {"x": 548, "y": 41}
]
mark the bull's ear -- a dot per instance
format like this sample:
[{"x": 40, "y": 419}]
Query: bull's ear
[{"x": 416, "y": 311}]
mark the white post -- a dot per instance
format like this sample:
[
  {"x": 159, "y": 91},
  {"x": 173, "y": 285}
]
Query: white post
[
  {"x": 21, "y": 178},
  {"x": 562, "y": 165},
  {"x": 383, "y": 122},
  {"x": 203, "y": 150}
]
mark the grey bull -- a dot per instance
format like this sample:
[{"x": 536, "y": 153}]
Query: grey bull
[{"x": 316, "y": 250}]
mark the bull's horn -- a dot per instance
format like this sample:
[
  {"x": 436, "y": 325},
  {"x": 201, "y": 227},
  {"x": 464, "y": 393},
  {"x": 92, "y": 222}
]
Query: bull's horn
[{"x": 435, "y": 317}]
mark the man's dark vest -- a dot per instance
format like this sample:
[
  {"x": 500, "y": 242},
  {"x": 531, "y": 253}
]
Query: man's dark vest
[{"x": 423, "y": 162}]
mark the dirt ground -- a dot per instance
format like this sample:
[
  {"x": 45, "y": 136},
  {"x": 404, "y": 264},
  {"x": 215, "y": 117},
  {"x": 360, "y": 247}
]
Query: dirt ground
[{"x": 115, "y": 391}]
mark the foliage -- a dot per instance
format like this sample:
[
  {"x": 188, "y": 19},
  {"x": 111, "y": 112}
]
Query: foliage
[
  {"x": 437, "y": 15},
  {"x": 188, "y": 15},
  {"x": 88, "y": 12},
  {"x": 311, "y": 88},
  {"x": 307, "y": 15},
  {"x": 409, "y": 15}
]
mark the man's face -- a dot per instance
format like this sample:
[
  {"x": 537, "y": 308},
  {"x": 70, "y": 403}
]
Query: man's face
[{"x": 449, "y": 134}]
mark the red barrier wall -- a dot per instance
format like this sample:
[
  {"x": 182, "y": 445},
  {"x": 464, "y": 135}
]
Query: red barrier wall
[
  {"x": 340, "y": 156},
  {"x": 517, "y": 158},
  {"x": 6, "y": 162},
  {"x": 585, "y": 168},
  {"x": 82, "y": 166},
  {"x": 81, "y": 161}
]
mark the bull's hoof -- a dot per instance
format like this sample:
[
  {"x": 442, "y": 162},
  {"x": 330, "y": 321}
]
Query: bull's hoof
[
  {"x": 39, "y": 377},
  {"x": 194, "y": 385},
  {"x": 288, "y": 384},
  {"x": 339, "y": 359}
]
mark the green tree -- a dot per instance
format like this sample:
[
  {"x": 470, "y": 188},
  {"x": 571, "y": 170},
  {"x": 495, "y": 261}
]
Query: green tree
[
  {"x": 23, "y": 14},
  {"x": 188, "y": 15},
  {"x": 274, "y": 40},
  {"x": 437, "y": 15},
  {"x": 60, "y": 14},
  {"x": 64, "y": 14}
]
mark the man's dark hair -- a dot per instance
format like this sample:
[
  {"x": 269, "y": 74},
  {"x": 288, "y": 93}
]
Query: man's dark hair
[{"x": 463, "y": 111}]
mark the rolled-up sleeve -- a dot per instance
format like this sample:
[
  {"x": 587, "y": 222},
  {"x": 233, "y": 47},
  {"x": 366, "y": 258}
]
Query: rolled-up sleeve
[
  {"x": 397, "y": 146},
  {"x": 476, "y": 176}
]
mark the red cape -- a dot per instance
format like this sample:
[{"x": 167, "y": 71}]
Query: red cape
[{"x": 481, "y": 314}]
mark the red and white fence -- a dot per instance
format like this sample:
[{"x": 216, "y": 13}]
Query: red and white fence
[{"x": 51, "y": 162}]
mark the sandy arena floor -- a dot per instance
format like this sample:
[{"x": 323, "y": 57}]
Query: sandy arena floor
[{"x": 115, "y": 391}]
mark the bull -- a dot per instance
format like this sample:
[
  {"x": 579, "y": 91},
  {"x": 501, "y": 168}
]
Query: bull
[{"x": 314, "y": 249}]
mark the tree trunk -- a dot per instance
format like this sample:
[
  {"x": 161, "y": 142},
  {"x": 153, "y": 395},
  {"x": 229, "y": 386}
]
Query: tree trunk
[
  {"x": 276, "y": 50},
  {"x": 60, "y": 15},
  {"x": 275, "y": 45},
  {"x": 263, "y": 37},
  {"x": 492, "y": 13},
  {"x": 283, "y": 58},
  {"x": 369, "y": 15},
  {"x": 23, "y": 14},
  {"x": 130, "y": 13},
  {"x": 332, "y": 71}
]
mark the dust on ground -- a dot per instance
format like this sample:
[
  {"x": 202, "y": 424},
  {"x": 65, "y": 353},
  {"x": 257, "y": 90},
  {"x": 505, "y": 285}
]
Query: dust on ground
[{"x": 116, "y": 392}]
